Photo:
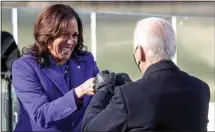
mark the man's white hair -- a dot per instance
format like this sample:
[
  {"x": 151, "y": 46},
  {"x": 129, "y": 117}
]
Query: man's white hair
[{"x": 158, "y": 36}]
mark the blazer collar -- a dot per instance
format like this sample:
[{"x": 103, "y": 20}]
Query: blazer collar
[
  {"x": 159, "y": 66},
  {"x": 76, "y": 70},
  {"x": 55, "y": 75}
]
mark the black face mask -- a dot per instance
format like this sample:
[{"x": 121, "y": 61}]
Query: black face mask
[{"x": 138, "y": 64}]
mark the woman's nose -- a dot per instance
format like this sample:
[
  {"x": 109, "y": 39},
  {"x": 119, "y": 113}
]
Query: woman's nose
[{"x": 70, "y": 42}]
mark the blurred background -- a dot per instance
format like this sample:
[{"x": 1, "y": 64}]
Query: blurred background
[{"x": 108, "y": 33}]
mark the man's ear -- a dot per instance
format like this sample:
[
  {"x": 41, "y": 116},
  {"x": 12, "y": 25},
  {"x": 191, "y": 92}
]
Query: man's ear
[{"x": 140, "y": 54}]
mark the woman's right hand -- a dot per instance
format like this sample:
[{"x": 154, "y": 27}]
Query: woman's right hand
[{"x": 86, "y": 88}]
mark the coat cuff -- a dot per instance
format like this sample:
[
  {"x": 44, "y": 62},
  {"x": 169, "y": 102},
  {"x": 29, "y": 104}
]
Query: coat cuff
[{"x": 69, "y": 105}]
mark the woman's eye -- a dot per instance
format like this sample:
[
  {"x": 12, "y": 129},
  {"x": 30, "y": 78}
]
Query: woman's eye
[
  {"x": 65, "y": 35},
  {"x": 76, "y": 35}
]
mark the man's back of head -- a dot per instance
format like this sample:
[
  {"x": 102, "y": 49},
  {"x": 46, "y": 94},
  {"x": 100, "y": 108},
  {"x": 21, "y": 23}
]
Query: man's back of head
[{"x": 157, "y": 38}]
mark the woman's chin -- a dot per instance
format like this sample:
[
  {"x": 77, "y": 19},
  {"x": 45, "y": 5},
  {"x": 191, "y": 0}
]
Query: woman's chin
[{"x": 65, "y": 57}]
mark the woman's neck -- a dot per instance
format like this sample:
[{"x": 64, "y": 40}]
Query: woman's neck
[{"x": 58, "y": 61}]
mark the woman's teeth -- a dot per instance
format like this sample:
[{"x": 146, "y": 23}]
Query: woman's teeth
[{"x": 66, "y": 48}]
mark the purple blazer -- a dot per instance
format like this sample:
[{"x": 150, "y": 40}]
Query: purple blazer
[{"x": 46, "y": 103}]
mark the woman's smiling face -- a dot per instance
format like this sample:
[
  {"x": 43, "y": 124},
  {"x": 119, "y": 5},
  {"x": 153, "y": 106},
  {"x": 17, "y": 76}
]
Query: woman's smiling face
[{"x": 62, "y": 47}]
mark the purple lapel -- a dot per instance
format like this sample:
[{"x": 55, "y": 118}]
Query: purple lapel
[
  {"x": 77, "y": 70},
  {"x": 78, "y": 73},
  {"x": 56, "y": 76}
]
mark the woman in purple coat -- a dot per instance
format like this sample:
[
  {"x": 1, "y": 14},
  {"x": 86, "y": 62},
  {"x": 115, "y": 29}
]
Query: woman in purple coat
[{"x": 53, "y": 80}]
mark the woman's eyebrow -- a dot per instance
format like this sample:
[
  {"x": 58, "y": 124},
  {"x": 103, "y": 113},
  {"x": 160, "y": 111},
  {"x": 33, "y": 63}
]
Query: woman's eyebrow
[{"x": 76, "y": 32}]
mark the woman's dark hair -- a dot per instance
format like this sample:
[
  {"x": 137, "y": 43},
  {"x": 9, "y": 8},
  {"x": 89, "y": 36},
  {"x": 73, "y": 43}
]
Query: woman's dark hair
[{"x": 50, "y": 24}]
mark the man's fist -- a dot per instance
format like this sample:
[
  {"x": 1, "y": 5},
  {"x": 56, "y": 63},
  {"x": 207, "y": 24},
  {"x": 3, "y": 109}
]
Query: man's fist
[
  {"x": 122, "y": 78},
  {"x": 105, "y": 80}
]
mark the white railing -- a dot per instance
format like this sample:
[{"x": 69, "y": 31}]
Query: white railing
[
  {"x": 174, "y": 25},
  {"x": 93, "y": 34},
  {"x": 15, "y": 24}
]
